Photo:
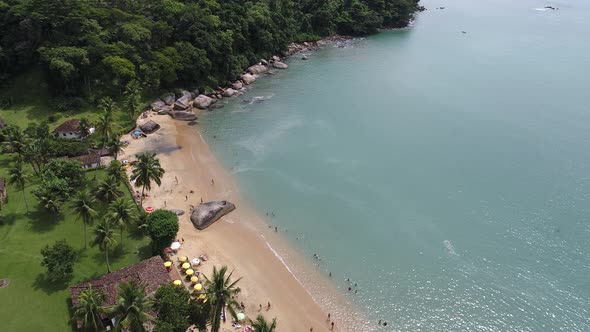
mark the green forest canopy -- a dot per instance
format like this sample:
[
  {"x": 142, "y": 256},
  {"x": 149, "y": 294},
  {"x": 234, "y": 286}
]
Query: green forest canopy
[{"x": 95, "y": 47}]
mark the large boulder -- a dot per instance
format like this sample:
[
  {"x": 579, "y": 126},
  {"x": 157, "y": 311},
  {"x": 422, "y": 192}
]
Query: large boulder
[
  {"x": 203, "y": 101},
  {"x": 237, "y": 85},
  {"x": 183, "y": 102},
  {"x": 206, "y": 214},
  {"x": 248, "y": 78},
  {"x": 149, "y": 127},
  {"x": 157, "y": 105},
  {"x": 229, "y": 92},
  {"x": 183, "y": 115},
  {"x": 168, "y": 98},
  {"x": 257, "y": 69},
  {"x": 275, "y": 58},
  {"x": 280, "y": 65}
]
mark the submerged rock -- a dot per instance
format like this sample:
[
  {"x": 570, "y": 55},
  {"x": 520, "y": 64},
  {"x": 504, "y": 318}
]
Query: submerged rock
[
  {"x": 280, "y": 65},
  {"x": 207, "y": 213}
]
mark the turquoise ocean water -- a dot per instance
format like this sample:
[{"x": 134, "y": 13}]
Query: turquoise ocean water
[{"x": 446, "y": 173}]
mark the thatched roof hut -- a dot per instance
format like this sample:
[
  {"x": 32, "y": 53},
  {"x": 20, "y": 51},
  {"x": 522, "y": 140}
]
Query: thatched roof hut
[{"x": 149, "y": 127}]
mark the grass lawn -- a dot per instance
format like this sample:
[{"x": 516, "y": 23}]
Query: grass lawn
[
  {"x": 30, "y": 302},
  {"x": 32, "y": 103}
]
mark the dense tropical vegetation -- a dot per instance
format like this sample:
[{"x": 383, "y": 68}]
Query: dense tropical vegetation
[{"x": 106, "y": 47}]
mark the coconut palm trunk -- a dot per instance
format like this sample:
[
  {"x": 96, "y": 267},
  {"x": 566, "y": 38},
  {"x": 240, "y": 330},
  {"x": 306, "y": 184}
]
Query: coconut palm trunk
[
  {"x": 106, "y": 253},
  {"x": 25, "y": 199}
]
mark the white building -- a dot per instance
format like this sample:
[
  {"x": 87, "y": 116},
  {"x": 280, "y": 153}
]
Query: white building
[{"x": 69, "y": 129}]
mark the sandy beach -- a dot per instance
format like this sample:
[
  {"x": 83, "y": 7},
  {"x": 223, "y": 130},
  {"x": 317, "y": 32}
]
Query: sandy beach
[{"x": 241, "y": 240}]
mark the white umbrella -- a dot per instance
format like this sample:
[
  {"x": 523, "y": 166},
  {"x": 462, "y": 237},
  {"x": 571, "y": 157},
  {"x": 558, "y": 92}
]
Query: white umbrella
[
  {"x": 241, "y": 316},
  {"x": 175, "y": 245},
  {"x": 196, "y": 261}
]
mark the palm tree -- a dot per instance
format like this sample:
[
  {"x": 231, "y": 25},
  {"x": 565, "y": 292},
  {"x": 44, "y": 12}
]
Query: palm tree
[
  {"x": 131, "y": 310},
  {"x": 133, "y": 93},
  {"x": 116, "y": 172},
  {"x": 121, "y": 212},
  {"x": 108, "y": 190},
  {"x": 147, "y": 169},
  {"x": 115, "y": 146},
  {"x": 49, "y": 200},
  {"x": 89, "y": 308},
  {"x": 14, "y": 140},
  {"x": 19, "y": 177},
  {"x": 261, "y": 325},
  {"x": 83, "y": 205},
  {"x": 107, "y": 105},
  {"x": 104, "y": 237},
  {"x": 220, "y": 291},
  {"x": 85, "y": 126},
  {"x": 105, "y": 126}
]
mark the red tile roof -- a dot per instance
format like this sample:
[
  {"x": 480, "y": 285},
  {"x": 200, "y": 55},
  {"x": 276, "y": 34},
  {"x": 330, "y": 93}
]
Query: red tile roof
[
  {"x": 87, "y": 159},
  {"x": 150, "y": 272},
  {"x": 70, "y": 126}
]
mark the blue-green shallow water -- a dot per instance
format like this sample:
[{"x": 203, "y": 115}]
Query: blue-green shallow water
[{"x": 447, "y": 174}]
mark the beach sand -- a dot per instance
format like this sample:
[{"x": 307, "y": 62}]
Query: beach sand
[{"x": 241, "y": 240}]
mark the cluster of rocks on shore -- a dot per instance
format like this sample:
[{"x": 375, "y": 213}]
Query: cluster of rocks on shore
[{"x": 183, "y": 106}]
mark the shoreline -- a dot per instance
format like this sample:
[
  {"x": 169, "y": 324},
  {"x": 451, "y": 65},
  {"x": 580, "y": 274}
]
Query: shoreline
[{"x": 242, "y": 240}]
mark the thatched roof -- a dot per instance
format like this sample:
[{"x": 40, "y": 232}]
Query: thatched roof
[
  {"x": 149, "y": 127},
  {"x": 150, "y": 272},
  {"x": 70, "y": 126}
]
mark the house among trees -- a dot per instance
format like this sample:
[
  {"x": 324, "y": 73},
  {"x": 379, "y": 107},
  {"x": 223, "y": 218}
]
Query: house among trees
[
  {"x": 69, "y": 129},
  {"x": 3, "y": 194},
  {"x": 150, "y": 272},
  {"x": 88, "y": 160}
]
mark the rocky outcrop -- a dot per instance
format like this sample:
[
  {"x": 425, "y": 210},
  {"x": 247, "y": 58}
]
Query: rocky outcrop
[
  {"x": 183, "y": 102},
  {"x": 183, "y": 115},
  {"x": 237, "y": 85},
  {"x": 149, "y": 127},
  {"x": 203, "y": 101},
  {"x": 157, "y": 105},
  {"x": 207, "y": 213},
  {"x": 275, "y": 58},
  {"x": 248, "y": 78},
  {"x": 264, "y": 62},
  {"x": 229, "y": 92},
  {"x": 257, "y": 69},
  {"x": 280, "y": 65},
  {"x": 168, "y": 98}
]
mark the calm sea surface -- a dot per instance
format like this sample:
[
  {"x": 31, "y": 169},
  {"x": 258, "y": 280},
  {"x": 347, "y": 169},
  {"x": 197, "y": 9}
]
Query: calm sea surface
[{"x": 446, "y": 173}]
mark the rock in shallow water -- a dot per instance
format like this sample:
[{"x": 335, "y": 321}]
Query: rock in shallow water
[{"x": 207, "y": 213}]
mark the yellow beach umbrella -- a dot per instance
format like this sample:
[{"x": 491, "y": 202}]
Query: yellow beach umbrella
[
  {"x": 202, "y": 296},
  {"x": 182, "y": 259},
  {"x": 177, "y": 282},
  {"x": 189, "y": 272},
  {"x": 194, "y": 279},
  {"x": 186, "y": 266},
  {"x": 198, "y": 287},
  {"x": 168, "y": 264}
]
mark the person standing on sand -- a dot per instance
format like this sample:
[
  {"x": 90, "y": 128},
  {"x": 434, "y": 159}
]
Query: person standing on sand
[
  {"x": 212, "y": 182},
  {"x": 328, "y": 317},
  {"x": 332, "y": 328},
  {"x": 185, "y": 198},
  {"x": 276, "y": 229},
  {"x": 260, "y": 307},
  {"x": 268, "y": 306}
]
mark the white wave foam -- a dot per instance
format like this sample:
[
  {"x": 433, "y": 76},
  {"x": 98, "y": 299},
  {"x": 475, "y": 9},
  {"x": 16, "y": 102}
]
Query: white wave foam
[
  {"x": 542, "y": 9},
  {"x": 280, "y": 258},
  {"x": 450, "y": 248}
]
